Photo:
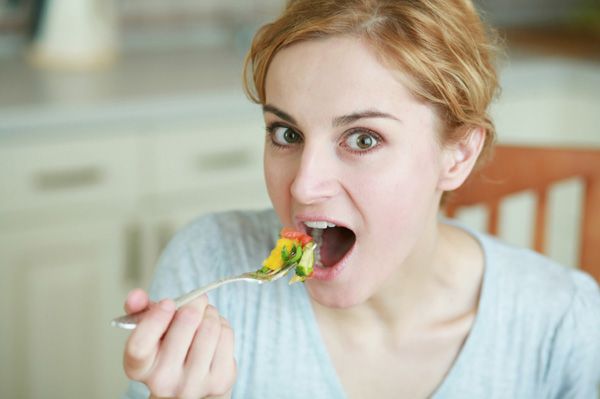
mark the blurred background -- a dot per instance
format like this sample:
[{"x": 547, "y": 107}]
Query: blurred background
[{"x": 122, "y": 120}]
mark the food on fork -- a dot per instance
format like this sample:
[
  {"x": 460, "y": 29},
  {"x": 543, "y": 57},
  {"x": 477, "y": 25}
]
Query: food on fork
[{"x": 293, "y": 247}]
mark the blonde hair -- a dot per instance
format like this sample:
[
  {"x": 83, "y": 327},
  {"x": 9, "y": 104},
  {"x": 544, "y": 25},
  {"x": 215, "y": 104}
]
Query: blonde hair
[{"x": 441, "y": 45}]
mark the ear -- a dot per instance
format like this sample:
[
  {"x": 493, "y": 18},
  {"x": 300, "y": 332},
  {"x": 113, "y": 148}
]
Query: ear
[{"x": 458, "y": 159}]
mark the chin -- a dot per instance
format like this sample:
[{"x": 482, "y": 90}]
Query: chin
[{"x": 333, "y": 297}]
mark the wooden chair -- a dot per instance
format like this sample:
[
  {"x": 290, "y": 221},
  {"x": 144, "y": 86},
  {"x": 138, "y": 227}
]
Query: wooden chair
[{"x": 514, "y": 169}]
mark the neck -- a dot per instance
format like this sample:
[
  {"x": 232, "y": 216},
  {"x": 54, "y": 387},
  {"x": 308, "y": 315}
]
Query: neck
[{"x": 427, "y": 289}]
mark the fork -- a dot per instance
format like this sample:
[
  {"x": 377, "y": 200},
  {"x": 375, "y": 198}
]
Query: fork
[{"x": 130, "y": 321}]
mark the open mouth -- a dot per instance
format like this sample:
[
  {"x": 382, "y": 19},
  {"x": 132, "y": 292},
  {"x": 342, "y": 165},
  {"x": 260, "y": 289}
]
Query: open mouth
[{"x": 333, "y": 242}]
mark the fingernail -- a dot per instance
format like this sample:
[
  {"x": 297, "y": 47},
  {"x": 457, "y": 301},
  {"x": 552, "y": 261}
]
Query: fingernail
[{"x": 167, "y": 305}]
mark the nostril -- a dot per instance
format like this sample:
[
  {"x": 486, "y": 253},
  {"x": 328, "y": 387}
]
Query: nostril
[
  {"x": 310, "y": 193},
  {"x": 313, "y": 188}
]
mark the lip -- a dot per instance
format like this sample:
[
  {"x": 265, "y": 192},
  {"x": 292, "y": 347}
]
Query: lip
[{"x": 329, "y": 273}]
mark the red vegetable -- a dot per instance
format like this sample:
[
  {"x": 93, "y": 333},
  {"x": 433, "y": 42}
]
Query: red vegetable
[{"x": 292, "y": 234}]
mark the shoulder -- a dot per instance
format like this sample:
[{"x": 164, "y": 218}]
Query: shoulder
[
  {"x": 529, "y": 278},
  {"x": 540, "y": 324},
  {"x": 554, "y": 309}
]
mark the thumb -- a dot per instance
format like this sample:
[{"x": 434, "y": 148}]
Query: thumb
[{"x": 137, "y": 300}]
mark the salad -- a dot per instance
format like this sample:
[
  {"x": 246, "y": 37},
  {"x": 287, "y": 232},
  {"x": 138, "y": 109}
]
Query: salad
[{"x": 293, "y": 247}]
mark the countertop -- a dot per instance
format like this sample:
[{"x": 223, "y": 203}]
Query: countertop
[
  {"x": 548, "y": 98},
  {"x": 146, "y": 83}
]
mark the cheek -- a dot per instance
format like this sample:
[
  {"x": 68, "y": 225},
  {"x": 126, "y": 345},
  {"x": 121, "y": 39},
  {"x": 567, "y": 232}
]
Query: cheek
[
  {"x": 398, "y": 197},
  {"x": 278, "y": 186}
]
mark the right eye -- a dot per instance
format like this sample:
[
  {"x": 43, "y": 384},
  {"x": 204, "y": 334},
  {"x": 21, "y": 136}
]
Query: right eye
[{"x": 283, "y": 135}]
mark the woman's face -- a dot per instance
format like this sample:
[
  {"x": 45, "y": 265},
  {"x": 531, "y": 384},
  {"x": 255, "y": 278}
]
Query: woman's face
[{"x": 348, "y": 144}]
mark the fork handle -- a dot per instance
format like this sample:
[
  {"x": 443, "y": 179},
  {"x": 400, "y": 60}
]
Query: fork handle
[
  {"x": 130, "y": 321},
  {"x": 190, "y": 296}
]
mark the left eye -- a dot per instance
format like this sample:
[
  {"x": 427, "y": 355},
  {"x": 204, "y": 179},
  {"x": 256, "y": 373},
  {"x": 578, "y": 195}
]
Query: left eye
[{"x": 361, "y": 141}]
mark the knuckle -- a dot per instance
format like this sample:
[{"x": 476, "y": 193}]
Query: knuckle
[
  {"x": 189, "y": 315},
  {"x": 219, "y": 387},
  {"x": 190, "y": 389},
  {"x": 227, "y": 337},
  {"x": 211, "y": 326},
  {"x": 135, "y": 364},
  {"x": 161, "y": 385},
  {"x": 135, "y": 354},
  {"x": 200, "y": 303},
  {"x": 222, "y": 381},
  {"x": 212, "y": 312},
  {"x": 227, "y": 332},
  {"x": 133, "y": 373}
]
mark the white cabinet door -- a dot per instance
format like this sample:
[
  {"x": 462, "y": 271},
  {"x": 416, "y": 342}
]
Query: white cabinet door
[{"x": 59, "y": 288}]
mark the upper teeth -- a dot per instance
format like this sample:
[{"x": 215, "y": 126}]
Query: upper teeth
[{"x": 319, "y": 224}]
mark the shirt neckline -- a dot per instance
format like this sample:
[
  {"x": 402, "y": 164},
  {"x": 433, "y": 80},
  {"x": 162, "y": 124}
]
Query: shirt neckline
[{"x": 328, "y": 370}]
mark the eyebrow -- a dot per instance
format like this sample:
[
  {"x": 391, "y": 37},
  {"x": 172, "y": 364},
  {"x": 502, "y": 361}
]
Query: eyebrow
[
  {"x": 353, "y": 117},
  {"x": 337, "y": 121},
  {"x": 283, "y": 115}
]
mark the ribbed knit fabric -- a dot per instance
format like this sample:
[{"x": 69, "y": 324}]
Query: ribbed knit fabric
[{"x": 536, "y": 333}]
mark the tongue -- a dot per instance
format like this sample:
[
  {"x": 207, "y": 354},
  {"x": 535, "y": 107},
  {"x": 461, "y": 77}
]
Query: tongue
[{"x": 336, "y": 242}]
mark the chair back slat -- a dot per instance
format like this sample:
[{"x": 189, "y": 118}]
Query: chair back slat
[
  {"x": 515, "y": 169},
  {"x": 494, "y": 217},
  {"x": 539, "y": 238},
  {"x": 590, "y": 234}
]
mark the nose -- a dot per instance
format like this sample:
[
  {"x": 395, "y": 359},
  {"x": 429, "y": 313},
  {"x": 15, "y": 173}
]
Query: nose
[{"x": 316, "y": 179}]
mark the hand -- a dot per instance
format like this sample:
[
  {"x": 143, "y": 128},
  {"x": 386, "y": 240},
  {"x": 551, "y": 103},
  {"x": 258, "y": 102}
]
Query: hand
[{"x": 184, "y": 353}]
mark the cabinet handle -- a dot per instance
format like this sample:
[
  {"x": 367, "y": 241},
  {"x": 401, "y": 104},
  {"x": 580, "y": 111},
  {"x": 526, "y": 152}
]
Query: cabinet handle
[
  {"x": 68, "y": 179},
  {"x": 224, "y": 160}
]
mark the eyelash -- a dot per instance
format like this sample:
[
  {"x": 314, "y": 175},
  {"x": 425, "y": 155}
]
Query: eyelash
[
  {"x": 271, "y": 131},
  {"x": 270, "y": 128},
  {"x": 363, "y": 130}
]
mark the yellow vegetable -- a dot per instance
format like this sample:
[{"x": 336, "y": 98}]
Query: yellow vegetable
[{"x": 275, "y": 261}]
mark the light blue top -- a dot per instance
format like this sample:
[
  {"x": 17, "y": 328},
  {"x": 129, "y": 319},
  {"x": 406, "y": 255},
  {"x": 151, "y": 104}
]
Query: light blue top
[{"x": 536, "y": 333}]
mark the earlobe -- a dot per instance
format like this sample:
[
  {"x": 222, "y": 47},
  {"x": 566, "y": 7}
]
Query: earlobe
[{"x": 458, "y": 159}]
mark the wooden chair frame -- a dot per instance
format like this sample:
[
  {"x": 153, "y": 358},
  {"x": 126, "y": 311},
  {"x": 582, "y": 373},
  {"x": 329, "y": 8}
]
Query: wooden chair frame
[{"x": 515, "y": 169}]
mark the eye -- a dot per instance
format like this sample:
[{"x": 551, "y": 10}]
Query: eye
[
  {"x": 283, "y": 135},
  {"x": 361, "y": 141}
]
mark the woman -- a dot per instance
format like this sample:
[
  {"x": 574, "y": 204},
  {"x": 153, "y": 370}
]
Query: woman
[{"x": 373, "y": 110}]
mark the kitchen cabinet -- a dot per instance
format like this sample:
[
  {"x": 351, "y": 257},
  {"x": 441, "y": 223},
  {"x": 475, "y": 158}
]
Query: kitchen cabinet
[
  {"x": 59, "y": 287},
  {"x": 84, "y": 218}
]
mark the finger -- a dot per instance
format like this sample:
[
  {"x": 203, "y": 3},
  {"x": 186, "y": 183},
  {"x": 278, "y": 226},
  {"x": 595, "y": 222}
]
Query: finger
[
  {"x": 143, "y": 343},
  {"x": 178, "y": 339},
  {"x": 136, "y": 301},
  {"x": 205, "y": 342},
  {"x": 223, "y": 357},
  {"x": 223, "y": 367},
  {"x": 200, "y": 302}
]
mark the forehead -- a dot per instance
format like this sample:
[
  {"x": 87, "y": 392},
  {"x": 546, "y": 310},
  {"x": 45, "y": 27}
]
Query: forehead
[{"x": 341, "y": 74}]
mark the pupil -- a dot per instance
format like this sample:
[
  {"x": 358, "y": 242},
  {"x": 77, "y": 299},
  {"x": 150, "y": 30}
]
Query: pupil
[
  {"x": 290, "y": 136},
  {"x": 365, "y": 141}
]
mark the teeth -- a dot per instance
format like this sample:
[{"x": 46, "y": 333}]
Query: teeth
[{"x": 319, "y": 224}]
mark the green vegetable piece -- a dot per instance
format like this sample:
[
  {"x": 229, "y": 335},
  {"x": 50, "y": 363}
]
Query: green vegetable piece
[
  {"x": 295, "y": 255},
  {"x": 285, "y": 255},
  {"x": 264, "y": 270},
  {"x": 307, "y": 262}
]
